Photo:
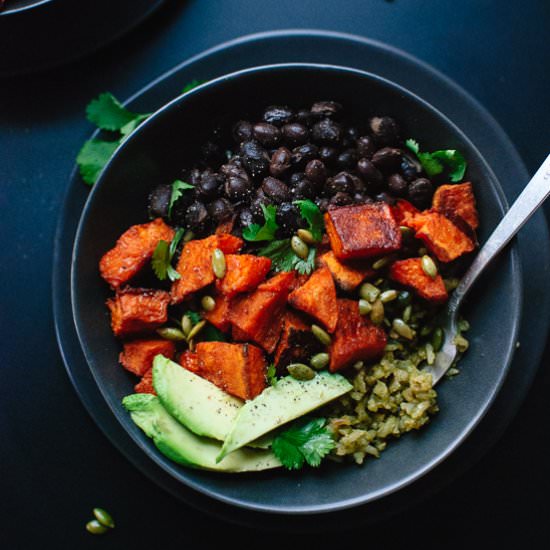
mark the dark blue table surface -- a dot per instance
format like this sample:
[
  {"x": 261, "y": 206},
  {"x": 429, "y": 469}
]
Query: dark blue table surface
[{"x": 55, "y": 464}]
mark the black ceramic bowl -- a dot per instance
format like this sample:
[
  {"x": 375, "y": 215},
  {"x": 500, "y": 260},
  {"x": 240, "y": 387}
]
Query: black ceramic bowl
[{"x": 168, "y": 141}]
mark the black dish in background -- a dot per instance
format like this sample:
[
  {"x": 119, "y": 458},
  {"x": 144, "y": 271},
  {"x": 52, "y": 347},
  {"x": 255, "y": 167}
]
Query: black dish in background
[
  {"x": 36, "y": 35},
  {"x": 319, "y": 46}
]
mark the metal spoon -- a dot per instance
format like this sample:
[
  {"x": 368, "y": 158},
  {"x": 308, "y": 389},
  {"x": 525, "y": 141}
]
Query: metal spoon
[{"x": 534, "y": 194}]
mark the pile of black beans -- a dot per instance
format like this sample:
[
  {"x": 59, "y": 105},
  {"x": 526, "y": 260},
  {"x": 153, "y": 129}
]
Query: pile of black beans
[{"x": 292, "y": 154}]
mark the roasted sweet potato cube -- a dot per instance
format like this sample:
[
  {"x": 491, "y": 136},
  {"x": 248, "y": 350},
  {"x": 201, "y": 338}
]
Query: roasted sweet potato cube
[
  {"x": 137, "y": 310},
  {"x": 442, "y": 237},
  {"x": 190, "y": 361},
  {"x": 355, "y": 338},
  {"x": 403, "y": 210},
  {"x": 238, "y": 369},
  {"x": 317, "y": 297},
  {"x": 244, "y": 272},
  {"x": 145, "y": 385},
  {"x": 132, "y": 251},
  {"x": 409, "y": 272},
  {"x": 297, "y": 343},
  {"x": 457, "y": 200},
  {"x": 257, "y": 317},
  {"x": 219, "y": 316},
  {"x": 195, "y": 264},
  {"x": 349, "y": 275},
  {"x": 362, "y": 231},
  {"x": 137, "y": 355},
  {"x": 238, "y": 334}
]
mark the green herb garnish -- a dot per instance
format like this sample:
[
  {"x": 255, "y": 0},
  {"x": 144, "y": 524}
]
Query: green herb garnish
[
  {"x": 283, "y": 257},
  {"x": 434, "y": 163},
  {"x": 162, "y": 258},
  {"x": 314, "y": 217},
  {"x": 305, "y": 442},
  {"x": 192, "y": 84},
  {"x": 265, "y": 232},
  {"x": 107, "y": 113},
  {"x": 93, "y": 156},
  {"x": 195, "y": 316},
  {"x": 178, "y": 187},
  {"x": 212, "y": 334},
  {"x": 271, "y": 374}
]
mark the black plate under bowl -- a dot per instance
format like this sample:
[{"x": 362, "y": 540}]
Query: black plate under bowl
[
  {"x": 38, "y": 34},
  {"x": 168, "y": 141}
]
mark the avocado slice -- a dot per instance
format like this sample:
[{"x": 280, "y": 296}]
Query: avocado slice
[
  {"x": 183, "y": 446},
  {"x": 279, "y": 404}
]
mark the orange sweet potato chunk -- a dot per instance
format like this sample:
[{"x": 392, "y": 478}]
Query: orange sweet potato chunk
[
  {"x": 132, "y": 251},
  {"x": 457, "y": 200},
  {"x": 257, "y": 316},
  {"x": 409, "y": 272},
  {"x": 190, "y": 361},
  {"x": 219, "y": 316},
  {"x": 362, "y": 231},
  {"x": 355, "y": 338},
  {"x": 348, "y": 276},
  {"x": 442, "y": 237},
  {"x": 137, "y": 310},
  {"x": 403, "y": 210},
  {"x": 137, "y": 355},
  {"x": 244, "y": 272},
  {"x": 238, "y": 369},
  {"x": 195, "y": 264},
  {"x": 145, "y": 385},
  {"x": 317, "y": 297},
  {"x": 297, "y": 343}
]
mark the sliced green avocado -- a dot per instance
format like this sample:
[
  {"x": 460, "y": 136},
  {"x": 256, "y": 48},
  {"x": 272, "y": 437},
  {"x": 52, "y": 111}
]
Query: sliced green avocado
[
  {"x": 279, "y": 404},
  {"x": 183, "y": 446}
]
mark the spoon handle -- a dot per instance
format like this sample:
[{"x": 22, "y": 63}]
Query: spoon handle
[{"x": 534, "y": 194}]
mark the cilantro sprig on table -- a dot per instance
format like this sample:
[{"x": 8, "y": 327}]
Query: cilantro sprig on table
[
  {"x": 109, "y": 115},
  {"x": 306, "y": 441},
  {"x": 161, "y": 261},
  {"x": 434, "y": 163}
]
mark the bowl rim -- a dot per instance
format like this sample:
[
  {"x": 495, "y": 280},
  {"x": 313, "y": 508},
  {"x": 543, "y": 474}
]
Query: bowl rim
[
  {"x": 174, "y": 469},
  {"x": 26, "y": 7}
]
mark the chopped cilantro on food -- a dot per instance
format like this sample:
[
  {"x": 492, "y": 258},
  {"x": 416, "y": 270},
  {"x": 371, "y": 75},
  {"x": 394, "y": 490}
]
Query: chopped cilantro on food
[
  {"x": 434, "y": 163},
  {"x": 265, "y": 232},
  {"x": 305, "y": 442},
  {"x": 283, "y": 257},
  {"x": 195, "y": 316},
  {"x": 314, "y": 217},
  {"x": 178, "y": 187},
  {"x": 162, "y": 258},
  {"x": 271, "y": 374}
]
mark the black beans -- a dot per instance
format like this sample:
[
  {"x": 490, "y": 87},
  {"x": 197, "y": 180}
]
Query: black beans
[
  {"x": 159, "y": 200},
  {"x": 220, "y": 210},
  {"x": 267, "y": 134},
  {"x": 280, "y": 161},
  {"x": 277, "y": 115},
  {"x": 210, "y": 185},
  {"x": 303, "y": 154},
  {"x": 341, "y": 199},
  {"x": 196, "y": 216},
  {"x": 238, "y": 185},
  {"x": 276, "y": 190},
  {"x": 295, "y": 134},
  {"x": 420, "y": 192},
  {"x": 288, "y": 219},
  {"x": 304, "y": 189},
  {"x": 410, "y": 168},
  {"x": 316, "y": 171},
  {"x": 397, "y": 185},
  {"x": 366, "y": 147},
  {"x": 387, "y": 159},
  {"x": 242, "y": 131},
  {"x": 347, "y": 158},
  {"x": 255, "y": 158},
  {"x": 327, "y": 131},
  {"x": 328, "y": 155},
  {"x": 341, "y": 182},
  {"x": 326, "y": 108},
  {"x": 370, "y": 174},
  {"x": 385, "y": 130},
  {"x": 245, "y": 217}
]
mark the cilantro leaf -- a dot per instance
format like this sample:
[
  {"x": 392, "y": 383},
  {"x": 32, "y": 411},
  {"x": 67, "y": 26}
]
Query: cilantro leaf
[
  {"x": 107, "y": 113},
  {"x": 265, "y": 232},
  {"x": 434, "y": 163},
  {"x": 193, "y": 84},
  {"x": 314, "y": 217},
  {"x": 271, "y": 374},
  {"x": 283, "y": 257},
  {"x": 161, "y": 261},
  {"x": 212, "y": 334},
  {"x": 93, "y": 156},
  {"x": 195, "y": 316},
  {"x": 178, "y": 187},
  {"x": 305, "y": 441}
]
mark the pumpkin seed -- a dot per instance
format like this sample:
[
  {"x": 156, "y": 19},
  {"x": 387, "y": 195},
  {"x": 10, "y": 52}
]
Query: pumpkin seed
[
  {"x": 377, "y": 312},
  {"x": 186, "y": 324},
  {"x": 299, "y": 247},
  {"x": 430, "y": 354},
  {"x": 208, "y": 303},
  {"x": 191, "y": 344},
  {"x": 195, "y": 330},
  {"x": 437, "y": 339},
  {"x": 319, "y": 361},
  {"x": 407, "y": 313},
  {"x": 104, "y": 517},
  {"x": 299, "y": 371},
  {"x": 388, "y": 296},
  {"x": 405, "y": 231},
  {"x": 428, "y": 266},
  {"x": 171, "y": 333},
  {"x": 321, "y": 335},
  {"x": 364, "y": 307},
  {"x": 188, "y": 236},
  {"x": 95, "y": 528},
  {"x": 306, "y": 236},
  {"x": 359, "y": 365},
  {"x": 218, "y": 263},
  {"x": 382, "y": 262},
  {"x": 403, "y": 329},
  {"x": 369, "y": 292}
]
